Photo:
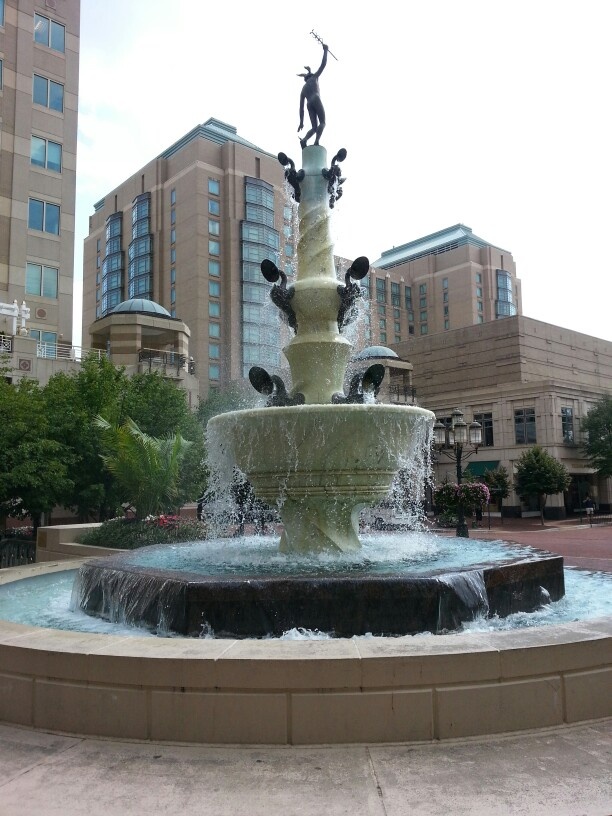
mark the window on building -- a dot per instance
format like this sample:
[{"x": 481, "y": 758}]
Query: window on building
[
  {"x": 214, "y": 187},
  {"x": 411, "y": 329},
  {"x": 408, "y": 297},
  {"x": 423, "y": 316},
  {"x": 397, "y": 326},
  {"x": 214, "y": 288},
  {"x": 1, "y": 12},
  {"x": 423, "y": 302},
  {"x": 382, "y": 324},
  {"x": 289, "y": 250},
  {"x": 173, "y": 255},
  {"x": 43, "y": 216},
  {"x": 381, "y": 290},
  {"x": 422, "y": 289},
  {"x": 213, "y": 227},
  {"x": 214, "y": 247},
  {"x": 479, "y": 305},
  {"x": 395, "y": 294},
  {"x": 478, "y": 277},
  {"x": 481, "y": 318},
  {"x": 525, "y": 426},
  {"x": 214, "y": 208},
  {"x": 173, "y": 236},
  {"x": 47, "y": 154},
  {"x": 504, "y": 305},
  {"x": 1, "y": 74},
  {"x": 445, "y": 283},
  {"x": 398, "y": 338},
  {"x": 173, "y": 197},
  {"x": 444, "y": 297},
  {"x": 423, "y": 328},
  {"x": 47, "y": 343},
  {"x": 47, "y": 93},
  {"x": 567, "y": 425},
  {"x": 214, "y": 330},
  {"x": 383, "y": 337},
  {"x": 48, "y": 32},
  {"x": 479, "y": 291},
  {"x": 382, "y": 309},
  {"x": 214, "y": 268},
  {"x": 41, "y": 280},
  {"x": 214, "y": 372},
  {"x": 173, "y": 275},
  {"x": 446, "y": 323},
  {"x": 445, "y": 311},
  {"x": 214, "y": 309},
  {"x": 396, "y": 314},
  {"x": 486, "y": 420},
  {"x": 214, "y": 351}
]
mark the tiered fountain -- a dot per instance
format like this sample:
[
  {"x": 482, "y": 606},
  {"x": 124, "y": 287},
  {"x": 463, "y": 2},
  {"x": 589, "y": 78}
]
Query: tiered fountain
[{"x": 320, "y": 455}]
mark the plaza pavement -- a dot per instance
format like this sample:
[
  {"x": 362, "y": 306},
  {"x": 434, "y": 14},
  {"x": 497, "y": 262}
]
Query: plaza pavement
[{"x": 565, "y": 771}]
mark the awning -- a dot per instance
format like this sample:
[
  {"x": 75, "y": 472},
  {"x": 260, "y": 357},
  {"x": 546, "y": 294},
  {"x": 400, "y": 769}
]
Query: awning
[{"x": 480, "y": 468}]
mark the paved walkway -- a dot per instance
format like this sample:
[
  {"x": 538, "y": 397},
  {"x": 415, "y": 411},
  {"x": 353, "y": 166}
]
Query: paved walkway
[{"x": 565, "y": 772}]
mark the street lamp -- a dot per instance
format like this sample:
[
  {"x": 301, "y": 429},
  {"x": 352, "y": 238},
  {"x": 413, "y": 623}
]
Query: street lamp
[{"x": 451, "y": 441}]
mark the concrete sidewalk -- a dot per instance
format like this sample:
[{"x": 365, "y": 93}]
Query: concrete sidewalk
[{"x": 564, "y": 772}]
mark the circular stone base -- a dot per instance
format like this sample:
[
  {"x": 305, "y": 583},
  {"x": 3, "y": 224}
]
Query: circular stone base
[{"x": 369, "y": 690}]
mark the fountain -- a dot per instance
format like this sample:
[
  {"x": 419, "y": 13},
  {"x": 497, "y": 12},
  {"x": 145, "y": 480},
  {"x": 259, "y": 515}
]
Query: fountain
[{"x": 321, "y": 452}]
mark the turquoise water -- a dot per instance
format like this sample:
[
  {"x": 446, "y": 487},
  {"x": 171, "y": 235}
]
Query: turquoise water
[{"x": 45, "y": 600}]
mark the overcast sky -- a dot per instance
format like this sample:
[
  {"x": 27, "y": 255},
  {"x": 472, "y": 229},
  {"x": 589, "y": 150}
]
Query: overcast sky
[{"x": 491, "y": 114}]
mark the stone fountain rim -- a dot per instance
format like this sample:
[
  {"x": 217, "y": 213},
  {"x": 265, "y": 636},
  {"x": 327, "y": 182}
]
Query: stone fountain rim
[
  {"x": 366, "y": 690},
  {"x": 289, "y": 410}
]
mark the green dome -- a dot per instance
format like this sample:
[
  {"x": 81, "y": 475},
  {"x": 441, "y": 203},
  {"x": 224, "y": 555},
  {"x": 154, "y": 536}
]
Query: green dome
[{"x": 140, "y": 306}]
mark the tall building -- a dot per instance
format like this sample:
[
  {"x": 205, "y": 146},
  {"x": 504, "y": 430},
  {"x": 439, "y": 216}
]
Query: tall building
[
  {"x": 189, "y": 231},
  {"x": 39, "y": 69},
  {"x": 447, "y": 280}
]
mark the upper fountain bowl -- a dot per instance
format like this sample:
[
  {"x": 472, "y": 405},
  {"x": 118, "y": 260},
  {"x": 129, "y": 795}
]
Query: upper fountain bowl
[{"x": 320, "y": 464}]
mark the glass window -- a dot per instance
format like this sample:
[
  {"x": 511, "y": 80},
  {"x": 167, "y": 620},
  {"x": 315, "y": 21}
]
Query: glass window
[
  {"x": 423, "y": 328},
  {"x": 41, "y": 280},
  {"x": 214, "y": 351},
  {"x": 213, "y": 227},
  {"x": 446, "y": 311},
  {"x": 486, "y": 420},
  {"x": 1, "y": 12},
  {"x": 214, "y": 330},
  {"x": 382, "y": 309},
  {"x": 214, "y": 208},
  {"x": 410, "y": 329},
  {"x": 447, "y": 323},
  {"x": 173, "y": 255},
  {"x": 47, "y": 93},
  {"x": 251, "y": 311},
  {"x": 525, "y": 426},
  {"x": 383, "y": 337},
  {"x": 422, "y": 302},
  {"x": 173, "y": 197},
  {"x": 445, "y": 297},
  {"x": 381, "y": 290},
  {"x": 173, "y": 216},
  {"x": 382, "y": 324},
  {"x": 445, "y": 283},
  {"x": 47, "y": 154},
  {"x": 172, "y": 295},
  {"x": 173, "y": 275},
  {"x": 480, "y": 319},
  {"x": 214, "y": 247},
  {"x": 398, "y": 338},
  {"x": 567, "y": 425},
  {"x": 397, "y": 326},
  {"x": 44, "y": 216},
  {"x": 478, "y": 277},
  {"x": 214, "y": 372},
  {"x": 213, "y": 187},
  {"x": 423, "y": 316},
  {"x": 408, "y": 297},
  {"x": 214, "y": 268},
  {"x": 422, "y": 289},
  {"x": 214, "y": 288},
  {"x": 479, "y": 291},
  {"x": 47, "y": 342},
  {"x": 48, "y": 32},
  {"x": 479, "y": 305},
  {"x": 396, "y": 314}
]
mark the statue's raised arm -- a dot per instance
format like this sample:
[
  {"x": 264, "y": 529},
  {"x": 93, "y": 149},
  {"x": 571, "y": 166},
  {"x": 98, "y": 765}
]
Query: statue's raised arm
[{"x": 310, "y": 95}]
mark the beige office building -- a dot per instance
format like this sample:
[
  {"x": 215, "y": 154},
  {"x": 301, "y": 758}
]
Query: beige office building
[
  {"x": 189, "y": 231},
  {"x": 443, "y": 281},
  {"x": 39, "y": 67},
  {"x": 526, "y": 382}
]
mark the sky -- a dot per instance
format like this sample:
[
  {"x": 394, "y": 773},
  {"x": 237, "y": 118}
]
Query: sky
[{"x": 487, "y": 113}]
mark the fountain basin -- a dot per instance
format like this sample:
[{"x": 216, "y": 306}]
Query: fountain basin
[
  {"x": 320, "y": 464},
  {"x": 343, "y": 604},
  {"x": 370, "y": 690}
]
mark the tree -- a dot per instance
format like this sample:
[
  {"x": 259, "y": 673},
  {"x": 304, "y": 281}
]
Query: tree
[
  {"x": 34, "y": 473},
  {"x": 540, "y": 474},
  {"x": 498, "y": 482},
  {"x": 146, "y": 469},
  {"x": 597, "y": 426},
  {"x": 73, "y": 401}
]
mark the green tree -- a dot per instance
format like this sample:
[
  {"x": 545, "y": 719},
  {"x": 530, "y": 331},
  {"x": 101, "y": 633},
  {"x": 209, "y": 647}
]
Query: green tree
[
  {"x": 72, "y": 402},
  {"x": 146, "y": 468},
  {"x": 498, "y": 482},
  {"x": 597, "y": 426},
  {"x": 540, "y": 474},
  {"x": 34, "y": 471},
  {"x": 220, "y": 400}
]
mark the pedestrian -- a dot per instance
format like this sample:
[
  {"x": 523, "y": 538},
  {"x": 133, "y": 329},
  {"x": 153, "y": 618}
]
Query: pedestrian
[{"x": 589, "y": 506}]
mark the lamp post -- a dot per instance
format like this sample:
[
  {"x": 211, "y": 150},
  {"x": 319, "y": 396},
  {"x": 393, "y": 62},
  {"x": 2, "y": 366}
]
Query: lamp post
[{"x": 451, "y": 441}]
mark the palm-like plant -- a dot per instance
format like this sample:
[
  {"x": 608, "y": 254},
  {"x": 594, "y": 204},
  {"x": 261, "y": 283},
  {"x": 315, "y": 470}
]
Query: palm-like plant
[{"x": 146, "y": 469}]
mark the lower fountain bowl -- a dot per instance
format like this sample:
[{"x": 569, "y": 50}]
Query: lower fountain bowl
[{"x": 343, "y": 605}]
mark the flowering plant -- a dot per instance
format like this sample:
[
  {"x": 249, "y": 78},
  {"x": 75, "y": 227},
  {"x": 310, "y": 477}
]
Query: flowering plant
[
  {"x": 468, "y": 495},
  {"x": 168, "y": 522}
]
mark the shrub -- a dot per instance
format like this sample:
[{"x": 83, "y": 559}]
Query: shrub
[{"x": 130, "y": 534}]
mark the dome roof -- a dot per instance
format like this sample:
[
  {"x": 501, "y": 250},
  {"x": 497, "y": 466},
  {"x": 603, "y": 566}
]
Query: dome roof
[
  {"x": 140, "y": 306},
  {"x": 376, "y": 352}
]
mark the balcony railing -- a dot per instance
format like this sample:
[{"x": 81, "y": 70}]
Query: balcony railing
[
  {"x": 169, "y": 361},
  {"x": 6, "y": 344},
  {"x": 402, "y": 394},
  {"x": 64, "y": 351}
]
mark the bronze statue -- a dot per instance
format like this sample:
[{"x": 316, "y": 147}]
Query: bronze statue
[{"x": 310, "y": 95}]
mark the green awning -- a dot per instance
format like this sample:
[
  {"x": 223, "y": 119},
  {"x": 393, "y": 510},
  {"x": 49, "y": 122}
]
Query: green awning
[{"x": 480, "y": 468}]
